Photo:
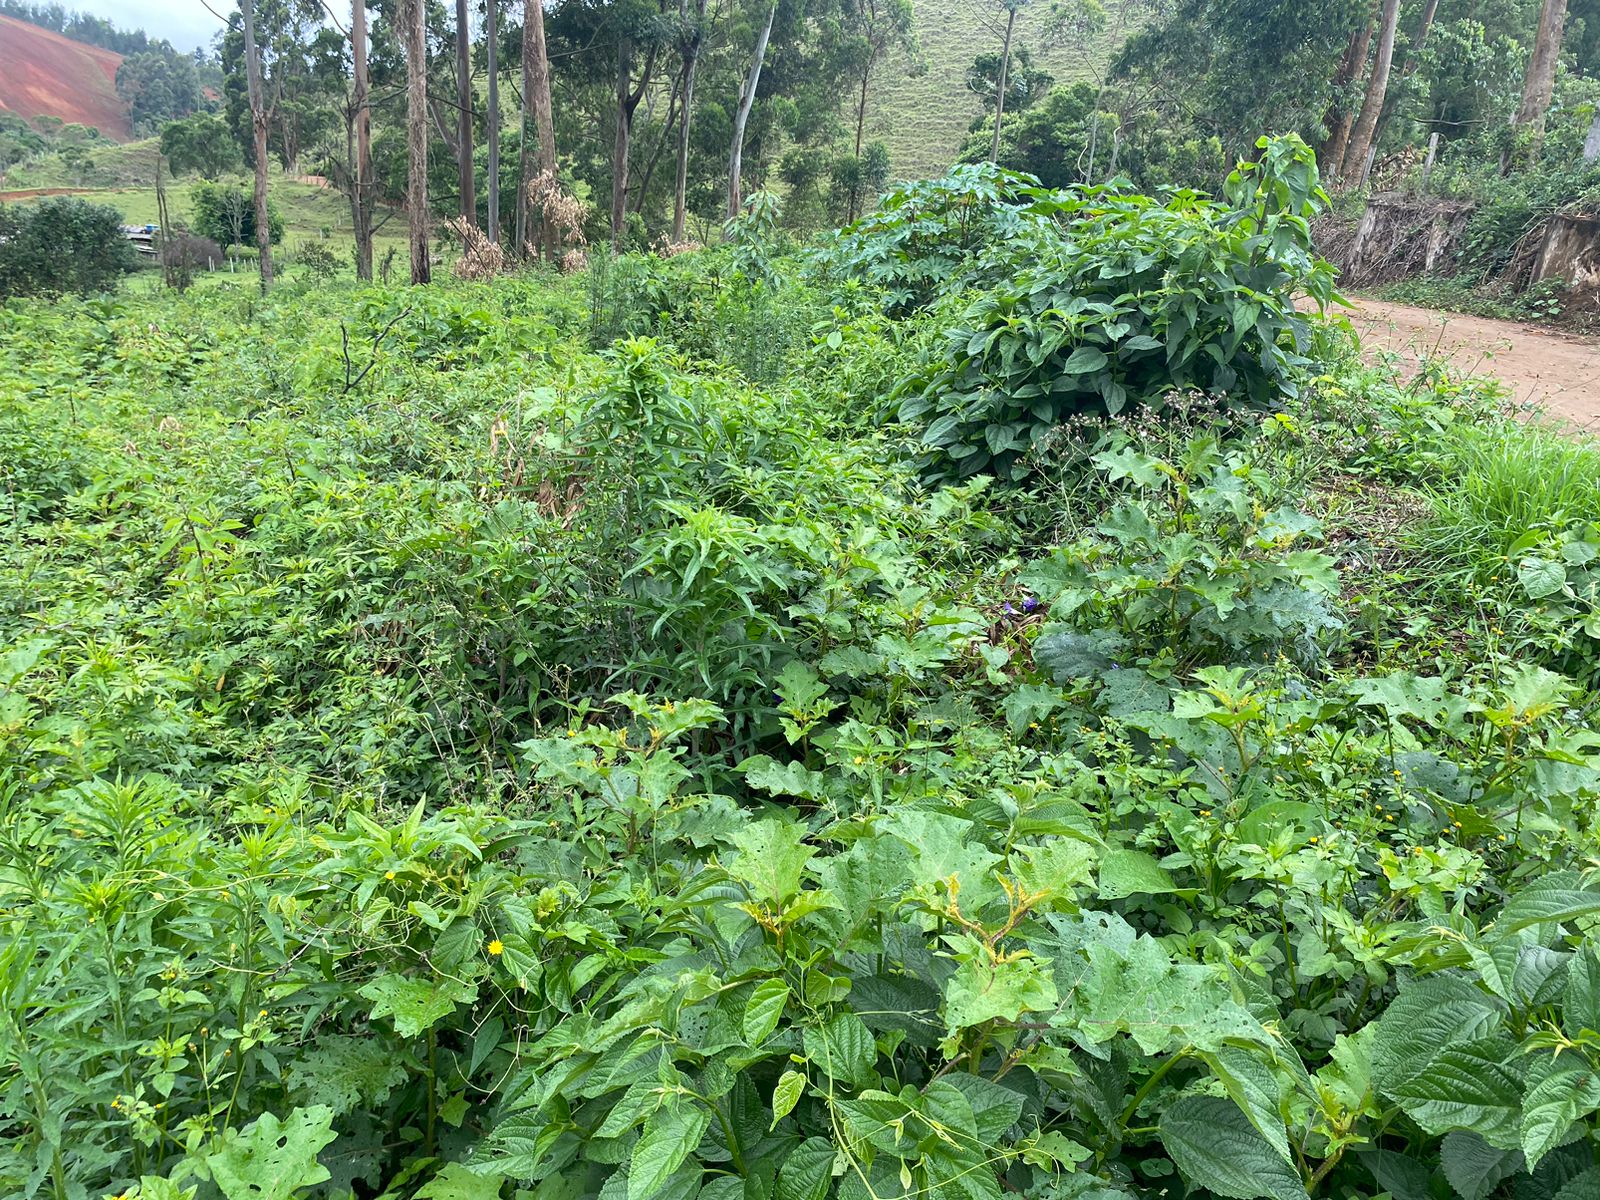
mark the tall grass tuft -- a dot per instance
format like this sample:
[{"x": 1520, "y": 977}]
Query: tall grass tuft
[{"x": 1507, "y": 479}]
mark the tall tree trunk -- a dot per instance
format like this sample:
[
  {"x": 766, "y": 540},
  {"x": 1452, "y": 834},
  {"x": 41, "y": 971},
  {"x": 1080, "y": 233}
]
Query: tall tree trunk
[
  {"x": 361, "y": 192},
  {"x": 535, "y": 103},
  {"x": 627, "y": 104},
  {"x": 641, "y": 196},
  {"x": 1341, "y": 117},
  {"x": 741, "y": 117},
  {"x": 691, "y": 60},
  {"x": 1000, "y": 92},
  {"x": 491, "y": 36},
  {"x": 861, "y": 126},
  {"x": 466, "y": 183},
  {"x": 415, "y": 35},
  {"x": 619, "y": 148},
  {"x": 1540, "y": 83},
  {"x": 1413, "y": 60},
  {"x": 258, "y": 131},
  {"x": 1355, "y": 155}
]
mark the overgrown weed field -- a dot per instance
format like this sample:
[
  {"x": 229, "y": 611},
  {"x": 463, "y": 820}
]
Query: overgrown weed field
[{"x": 991, "y": 703}]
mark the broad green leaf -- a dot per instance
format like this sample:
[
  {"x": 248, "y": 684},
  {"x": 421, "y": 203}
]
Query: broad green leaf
[
  {"x": 455, "y": 1182},
  {"x": 1402, "y": 695},
  {"x": 995, "y": 1107},
  {"x": 887, "y": 1122},
  {"x": 1349, "y": 1075},
  {"x": 668, "y": 1138},
  {"x": 416, "y": 1005},
  {"x": 1262, "y": 824},
  {"x": 1085, "y": 360},
  {"x": 1580, "y": 1002},
  {"x": 1553, "y": 898},
  {"x": 764, "y": 1009},
  {"x": 1255, "y": 1090},
  {"x": 155, "y": 1187},
  {"x": 1585, "y": 1186},
  {"x": 1428, "y": 1016},
  {"x": 981, "y": 991},
  {"x": 1402, "y": 1176},
  {"x": 1216, "y": 1147},
  {"x": 784, "y": 779},
  {"x": 1133, "y": 872},
  {"x": 1056, "y": 868},
  {"x": 1474, "y": 1167},
  {"x": 791, "y": 1086},
  {"x": 342, "y": 1072},
  {"x": 770, "y": 859},
  {"x": 842, "y": 1048},
  {"x": 1471, "y": 1085},
  {"x": 807, "y": 1171},
  {"x": 946, "y": 849},
  {"x": 1561, "y": 1089},
  {"x": 1541, "y": 577},
  {"x": 520, "y": 1147},
  {"x": 1137, "y": 989},
  {"x": 272, "y": 1160}
]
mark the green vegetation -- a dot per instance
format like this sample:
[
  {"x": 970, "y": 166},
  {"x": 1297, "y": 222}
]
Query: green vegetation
[
  {"x": 555, "y": 736},
  {"x": 61, "y": 245}
]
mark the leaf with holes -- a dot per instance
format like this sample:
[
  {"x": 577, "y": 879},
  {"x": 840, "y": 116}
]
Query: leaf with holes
[{"x": 271, "y": 1160}]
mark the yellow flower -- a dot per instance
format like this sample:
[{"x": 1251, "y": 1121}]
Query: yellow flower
[
  {"x": 388, "y": 874},
  {"x": 497, "y": 947}
]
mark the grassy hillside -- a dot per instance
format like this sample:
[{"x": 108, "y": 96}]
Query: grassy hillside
[{"x": 921, "y": 109}]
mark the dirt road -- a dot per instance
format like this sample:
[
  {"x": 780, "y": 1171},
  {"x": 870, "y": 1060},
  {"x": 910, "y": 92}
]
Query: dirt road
[{"x": 1552, "y": 370}]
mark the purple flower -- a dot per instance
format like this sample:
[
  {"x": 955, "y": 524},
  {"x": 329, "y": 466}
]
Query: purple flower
[
  {"x": 1008, "y": 610},
  {"x": 1029, "y": 604}
]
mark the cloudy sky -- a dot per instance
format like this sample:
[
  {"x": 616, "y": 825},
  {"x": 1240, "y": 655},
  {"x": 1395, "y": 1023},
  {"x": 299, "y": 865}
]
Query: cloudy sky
[{"x": 184, "y": 23}]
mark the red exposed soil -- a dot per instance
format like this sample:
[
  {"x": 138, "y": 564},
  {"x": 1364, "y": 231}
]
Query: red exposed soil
[
  {"x": 35, "y": 193},
  {"x": 45, "y": 74}
]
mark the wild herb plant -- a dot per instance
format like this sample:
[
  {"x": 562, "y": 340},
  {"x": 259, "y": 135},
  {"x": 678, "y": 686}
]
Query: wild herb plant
[{"x": 442, "y": 759}]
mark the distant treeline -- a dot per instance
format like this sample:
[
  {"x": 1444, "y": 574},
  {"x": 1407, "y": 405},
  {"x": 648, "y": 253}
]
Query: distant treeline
[{"x": 82, "y": 27}]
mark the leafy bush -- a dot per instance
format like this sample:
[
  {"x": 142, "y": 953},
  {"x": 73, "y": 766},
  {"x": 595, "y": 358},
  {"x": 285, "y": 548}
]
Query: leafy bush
[
  {"x": 1128, "y": 300},
  {"x": 1196, "y": 568},
  {"x": 226, "y": 214},
  {"x": 61, "y": 244},
  {"x": 929, "y": 237},
  {"x": 315, "y": 260}
]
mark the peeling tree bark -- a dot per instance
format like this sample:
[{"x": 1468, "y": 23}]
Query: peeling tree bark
[
  {"x": 535, "y": 104},
  {"x": 491, "y": 36},
  {"x": 741, "y": 117},
  {"x": 1355, "y": 156},
  {"x": 258, "y": 132},
  {"x": 465, "y": 176},
  {"x": 361, "y": 165},
  {"x": 415, "y": 35}
]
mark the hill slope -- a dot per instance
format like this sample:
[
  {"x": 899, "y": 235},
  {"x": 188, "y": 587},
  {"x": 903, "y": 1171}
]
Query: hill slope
[
  {"x": 45, "y": 74},
  {"x": 923, "y": 117}
]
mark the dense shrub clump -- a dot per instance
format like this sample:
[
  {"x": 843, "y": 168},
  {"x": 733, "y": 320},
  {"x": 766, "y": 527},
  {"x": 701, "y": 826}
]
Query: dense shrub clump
[
  {"x": 1091, "y": 300},
  {"x": 61, "y": 245}
]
